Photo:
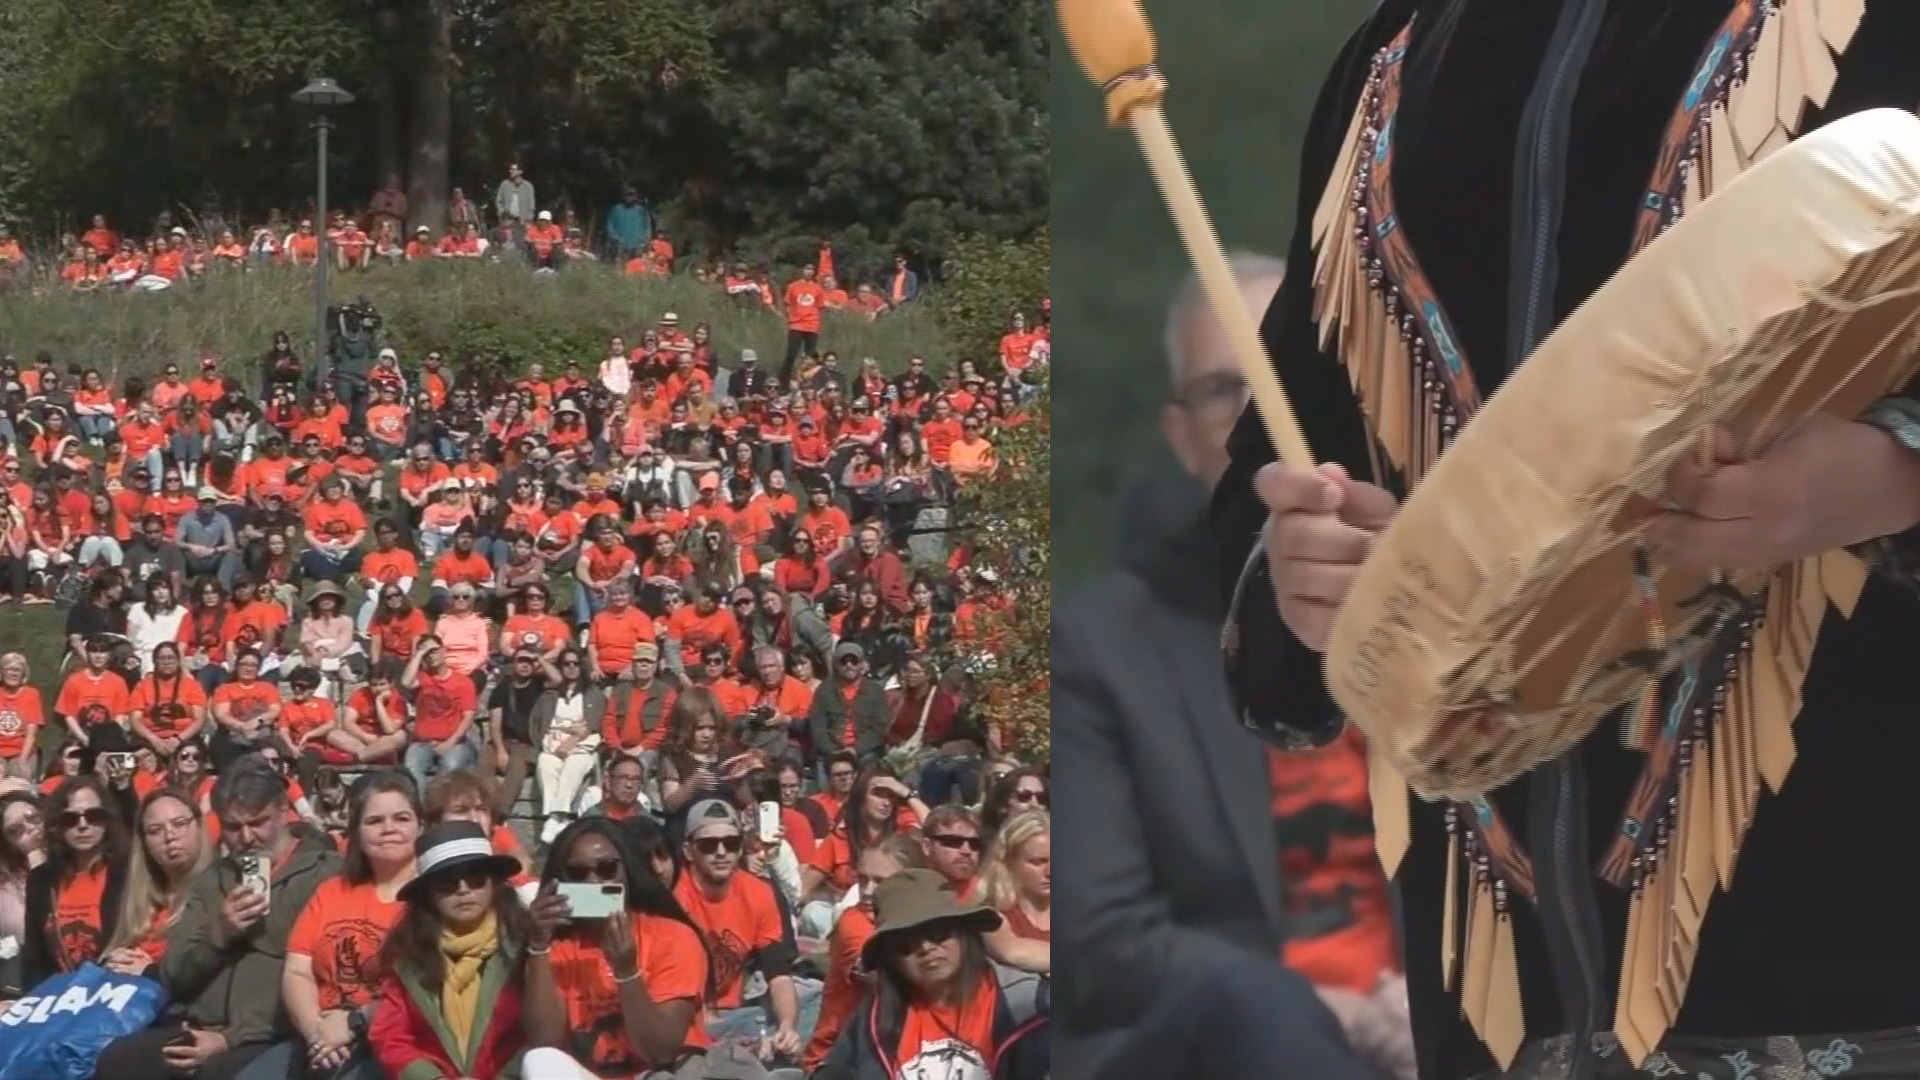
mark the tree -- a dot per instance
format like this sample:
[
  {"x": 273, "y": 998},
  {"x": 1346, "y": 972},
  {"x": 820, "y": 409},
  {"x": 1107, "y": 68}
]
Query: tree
[
  {"x": 752, "y": 124},
  {"x": 986, "y": 281},
  {"x": 1009, "y": 532}
]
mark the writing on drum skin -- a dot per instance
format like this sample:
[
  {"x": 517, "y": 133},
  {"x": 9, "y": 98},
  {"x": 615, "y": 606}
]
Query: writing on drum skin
[{"x": 1385, "y": 638}]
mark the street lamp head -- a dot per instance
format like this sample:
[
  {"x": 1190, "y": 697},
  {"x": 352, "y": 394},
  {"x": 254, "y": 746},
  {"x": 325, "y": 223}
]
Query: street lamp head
[{"x": 323, "y": 93}]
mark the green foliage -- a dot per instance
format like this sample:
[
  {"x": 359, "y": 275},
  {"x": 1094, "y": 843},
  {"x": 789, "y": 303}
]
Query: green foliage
[
  {"x": 1244, "y": 75},
  {"x": 751, "y": 124},
  {"x": 987, "y": 280},
  {"x": 1014, "y": 538},
  {"x": 460, "y": 308}
]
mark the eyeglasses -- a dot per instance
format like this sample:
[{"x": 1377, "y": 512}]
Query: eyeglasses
[
  {"x": 607, "y": 869},
  {"x": 954, "y": 842},
  {"x": 1030, "y": 796},
  {"x": 570, "y": 662},
  {"x": 713, "y": 845},
  {"x": 73, "y": 819}
]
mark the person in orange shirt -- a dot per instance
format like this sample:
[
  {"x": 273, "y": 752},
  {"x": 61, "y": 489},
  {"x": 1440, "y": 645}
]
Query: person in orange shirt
[
  {"x": 616, "y": 631},
  {"x": 335, "y": 527},
  {"x": 847, "y": 978},
  {"x": 422, "y": 245},
  {"x": 353, "y": 247},
  {"x": 804, "y": 299},
  {"x": 587, "y": 971},
  {"x": 543, "y": 238},
  {"x": 602, "y": 563},
  {"x": 168, "y": 707},
  {"x": 20, "y": 718},
  {"x": 825, "y": 522},
  {"x": 971, "y": 458},
  {"x": 94, "y": 700},
  {"x": 739, "y": 918},
  {"x": 702, "y": 624},
  {"x": 304, "y": 245},
  {"x": 100, "y": 238}
]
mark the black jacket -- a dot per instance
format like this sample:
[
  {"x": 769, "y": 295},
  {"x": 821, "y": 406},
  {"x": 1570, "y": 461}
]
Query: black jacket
[
  {"x": 866, "y": 1045},
  {"x": 1817, "y": 934}
]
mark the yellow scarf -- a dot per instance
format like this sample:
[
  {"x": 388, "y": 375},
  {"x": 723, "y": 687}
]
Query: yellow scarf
[{"x": 465, "y": 954}]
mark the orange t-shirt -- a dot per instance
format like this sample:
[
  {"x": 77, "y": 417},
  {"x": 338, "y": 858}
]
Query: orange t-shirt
[
  {"x": 93, "y": 699},
  {"x": 388, "y": 567},
  {"x": 154, "y": 694},
  {"x": 334, "y": 521},
  {"x": 76, "y": 917},
  {"x": 844, "y": 988},
  {"x": 301, "y": 717},
  {"x": 548, "y": 628},
  {"x": 19, "y": 714},
  {"x": 398, "y": 635},
  {"x": 602, "y": 565},
  {"x": 341, "y": 930},
  {"x": 833, "y": 857},
  {"x": 453, "y": 567},
  {"x": 804, "y": 301},
  {"x": 673, "y": 967},
  {"x": 388, "y": 423},
  {"x": 943, "y": 1036},
  {"x": 696, "y": 631},
  {"x": 827, "y": 527},
  {"x": 734, "y": 927},
  {"x": 247, "y": 700},
  {"x": 613, "y": 636}
]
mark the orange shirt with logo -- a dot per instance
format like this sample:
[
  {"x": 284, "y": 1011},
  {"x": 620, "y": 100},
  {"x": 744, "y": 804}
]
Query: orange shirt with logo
[
  {"x": 673, "y": 967},
  {"x": 736, "y": 926},
  {"x": 20, "y": 717},
  {"x": 334, "y": 521},
  {"x": 93, "y": 699},
  {"x": 303, "y": 717},
  {"x": 155, "y": 693},
  {"x": 397, "y": 636},
  {"x": 340, "y": 931},
  {"x": 452, "y": 567},
  {"x": 76, "y": 917},
  {"x": 942, "y": 1035}
]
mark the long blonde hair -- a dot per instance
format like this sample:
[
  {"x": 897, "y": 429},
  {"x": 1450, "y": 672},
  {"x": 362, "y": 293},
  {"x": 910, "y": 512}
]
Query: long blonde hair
[
  {"x": 147, "y": 894},
  {"x": 997, "y": 885}
]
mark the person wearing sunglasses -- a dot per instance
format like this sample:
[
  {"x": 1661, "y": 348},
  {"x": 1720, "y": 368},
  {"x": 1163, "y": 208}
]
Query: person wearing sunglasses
[
  {"x": 739, "y": 917},
  {"x": 937, "y": 1006},
  {"x": 612, "y": 997},
  {"x": 73, "y": 898},
  {"x": 856, "y": 714},
  {"x": 450, "y": 1002}
]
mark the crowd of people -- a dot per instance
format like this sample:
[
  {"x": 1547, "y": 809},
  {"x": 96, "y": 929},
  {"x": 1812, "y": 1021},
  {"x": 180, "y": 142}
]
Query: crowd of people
[{"x": 669, "y": 605}]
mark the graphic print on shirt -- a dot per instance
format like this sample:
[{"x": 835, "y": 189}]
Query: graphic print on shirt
[
  {"x": 354, "y": 945},
  {"x": 945, "y": 1059},
  {"x": 729, "y": 952}
]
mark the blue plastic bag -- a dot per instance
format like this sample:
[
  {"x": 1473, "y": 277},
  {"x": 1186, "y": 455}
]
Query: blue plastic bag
[{"x": 56, "y": 1032}]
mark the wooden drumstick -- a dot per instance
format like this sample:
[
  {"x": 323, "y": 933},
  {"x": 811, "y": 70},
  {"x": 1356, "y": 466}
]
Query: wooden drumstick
[{"x": 1114, "y": 45}]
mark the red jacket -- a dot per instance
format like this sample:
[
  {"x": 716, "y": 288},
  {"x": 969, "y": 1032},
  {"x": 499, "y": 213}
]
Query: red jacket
[{"x": 406, "y": 1032}]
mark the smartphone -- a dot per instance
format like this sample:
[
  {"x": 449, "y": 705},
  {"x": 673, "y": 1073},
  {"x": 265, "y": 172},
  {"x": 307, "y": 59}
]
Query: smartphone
[
  {"x": 769, "y": 822},
  {"x": 185, "y": 1038},
  {"x": 253, "y": 875},
  {"x": 593, "y": 900},
  {"x": 117, "y": 762}
]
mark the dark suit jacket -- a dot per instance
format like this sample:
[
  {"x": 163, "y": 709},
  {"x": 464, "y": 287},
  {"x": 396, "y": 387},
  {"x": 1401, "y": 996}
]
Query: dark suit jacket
[{"x": 1174, "y": 865}]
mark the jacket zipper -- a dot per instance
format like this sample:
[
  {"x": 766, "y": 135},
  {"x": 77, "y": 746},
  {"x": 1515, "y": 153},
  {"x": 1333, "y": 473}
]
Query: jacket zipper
[{"x": 1569, "y": 910}]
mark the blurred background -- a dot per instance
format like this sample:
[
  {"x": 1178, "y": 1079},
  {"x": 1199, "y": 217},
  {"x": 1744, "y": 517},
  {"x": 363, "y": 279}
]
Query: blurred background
[{"x": 1243, "y": 75}]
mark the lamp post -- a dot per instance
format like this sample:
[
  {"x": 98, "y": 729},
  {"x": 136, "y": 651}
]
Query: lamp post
[{"x": 321, "y": 95}]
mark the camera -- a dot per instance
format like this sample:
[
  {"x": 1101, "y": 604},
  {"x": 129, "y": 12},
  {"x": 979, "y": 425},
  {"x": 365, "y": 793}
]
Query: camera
[{"x": 760, "y": 715}]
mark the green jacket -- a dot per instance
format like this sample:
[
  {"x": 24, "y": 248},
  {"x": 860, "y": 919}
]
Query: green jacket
[{"x": 236, "y": 990}]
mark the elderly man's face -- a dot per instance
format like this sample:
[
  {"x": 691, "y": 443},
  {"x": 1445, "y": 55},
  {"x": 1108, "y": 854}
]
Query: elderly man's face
[{"x": 1209, "y": 392}]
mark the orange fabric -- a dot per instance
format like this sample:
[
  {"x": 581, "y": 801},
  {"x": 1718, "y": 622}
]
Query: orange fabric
[
  {"x": 827, "y": 527},
  {"x": 398, "y": 635},
  {"x": 696, "y": 631},
  {"x": 550, "y": 629},
  {"x": 453, "y": 567},
  {"x": 613, "y": 637},
  {"x": 833, "y": 857},
  {"x": 841, "y": 993},
  {"x": 440, "y": 704},
  {"x": 76, "y": 917},
  {"x": 388, "y": 567},
  {"x": 388, "y": 423},
  {"x": 934, "y": 1033},
  {"x": 804, "y": 300},
  {"x": 20, "y": 715},
  {"x": 301, "y": 717},
  {"x": 154, "y": 693},
  {"x": 734, "y": 927},
  {"x": 334, "y": 521},
  {"x": 247, "y": 700},
  {"x": 673, "y": 967},
  {"x": 341, "y": 930},
  {"x": 1334, "y": 883},
  {"x": 93, "y": 699},
  {"x": 602, "y": 565}
]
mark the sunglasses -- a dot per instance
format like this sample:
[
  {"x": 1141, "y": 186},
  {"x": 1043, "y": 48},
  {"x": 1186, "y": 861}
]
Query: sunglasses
[
  {"x": 73, "y": 819},
  {"x": 607, "y": 869},
  {"x": 1028, "y": 795},
  {"x": 954, "y": 842},
  {"x": 186, "y": 757},
  {"x": 452, "y": 881},
  {"x": 570, "y": 662},
  {"x": 908, "y": 942},
  {"x": 713, "y": 845},
  {"x": 849, "y": 661}
]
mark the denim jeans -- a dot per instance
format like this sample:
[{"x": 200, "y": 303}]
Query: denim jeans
[
  {"x": 95, "y": 425},
  {"x": 424, "y": 762}
]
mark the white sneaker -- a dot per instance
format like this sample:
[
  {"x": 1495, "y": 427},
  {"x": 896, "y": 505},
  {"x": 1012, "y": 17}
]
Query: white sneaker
[{"x": 552, "y": 828}]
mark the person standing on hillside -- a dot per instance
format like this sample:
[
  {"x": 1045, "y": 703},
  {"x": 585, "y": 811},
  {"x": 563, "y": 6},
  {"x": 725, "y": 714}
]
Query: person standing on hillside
[
  {"x": 803, "y": 301},
  {"x": 513, "y": 200},
  {"x": 629, "y": 224}
]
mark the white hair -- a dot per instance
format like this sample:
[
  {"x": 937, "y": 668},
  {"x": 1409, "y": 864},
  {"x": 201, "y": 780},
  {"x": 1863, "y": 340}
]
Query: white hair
[{"x": 1191, "y": 299}]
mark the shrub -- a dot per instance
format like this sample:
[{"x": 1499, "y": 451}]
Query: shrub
[{"x": 459, "y": 308}]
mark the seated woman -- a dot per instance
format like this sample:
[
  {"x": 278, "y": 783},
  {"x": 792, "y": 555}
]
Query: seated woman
[
  {"x": 848, "y": 979},
  {"x": 74, "y": 898},
  {"x": 328, "y": 981},
  {"x": 611, "y": 997},
  {"x": 936, "y": 999},
  {"x": 449, "y": 1003},
  {"x": 566, "y": 725},
  {"x": 172, "y": 847}
]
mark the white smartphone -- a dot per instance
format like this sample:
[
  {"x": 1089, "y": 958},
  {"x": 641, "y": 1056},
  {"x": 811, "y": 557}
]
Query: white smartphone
[
  {"x": 117, "y": 762},
  {"x": 253, "y": 875},
  {"x": 592, "y": 899},
  {"x": 768, "y": 817}
]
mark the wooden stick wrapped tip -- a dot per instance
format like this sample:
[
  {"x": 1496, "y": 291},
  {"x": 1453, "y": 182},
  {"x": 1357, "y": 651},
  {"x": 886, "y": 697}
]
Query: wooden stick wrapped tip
[{"x": 1114, "y": 47}]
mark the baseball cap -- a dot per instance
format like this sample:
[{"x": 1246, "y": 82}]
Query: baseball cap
[
  {"x": 646, "y": 650},
  {"x": 711, "y": 814}
]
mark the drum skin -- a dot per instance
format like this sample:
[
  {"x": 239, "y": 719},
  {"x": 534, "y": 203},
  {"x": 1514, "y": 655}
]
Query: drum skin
[{"x": 1491, "y": 626}]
